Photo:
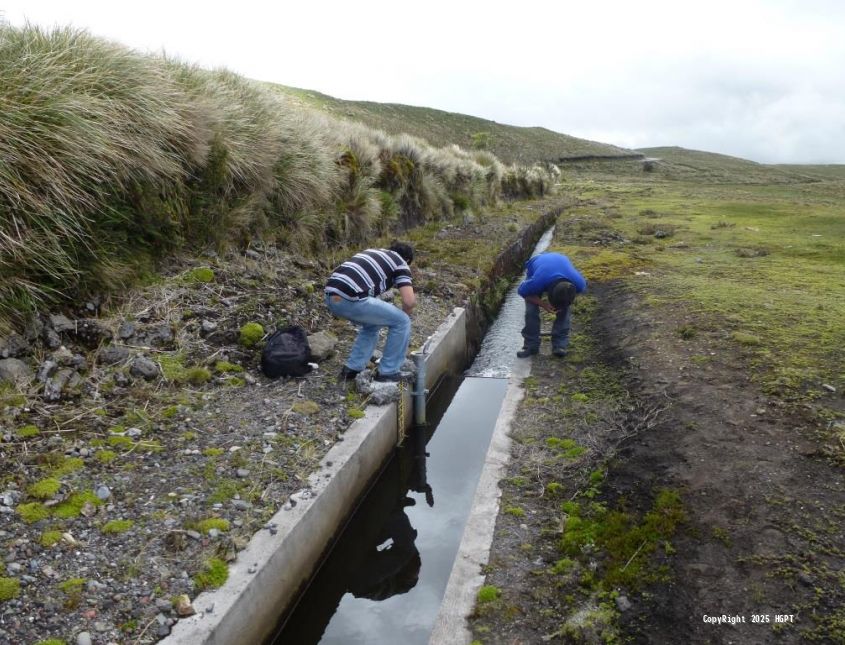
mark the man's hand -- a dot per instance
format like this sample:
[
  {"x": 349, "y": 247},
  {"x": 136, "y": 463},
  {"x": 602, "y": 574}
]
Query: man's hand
[
  {"x": 537, "y": 300},
  {"x": 409, "y": 299},
  {"x": 548, "y": 307}
]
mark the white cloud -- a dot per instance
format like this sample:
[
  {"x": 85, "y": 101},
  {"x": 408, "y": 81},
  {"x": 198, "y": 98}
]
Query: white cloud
[{"x": 757, "y": 78}]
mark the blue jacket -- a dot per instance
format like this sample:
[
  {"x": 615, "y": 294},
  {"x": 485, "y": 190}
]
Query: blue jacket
[{"x": 544, "y": 269}]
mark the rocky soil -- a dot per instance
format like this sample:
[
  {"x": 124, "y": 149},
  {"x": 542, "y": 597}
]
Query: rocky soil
[{"x": 142, "y": 447}]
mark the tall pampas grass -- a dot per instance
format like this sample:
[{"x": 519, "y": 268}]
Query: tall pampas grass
[
  {"x": 112, "y": 159},
  {"x": 82, "y": 121}
]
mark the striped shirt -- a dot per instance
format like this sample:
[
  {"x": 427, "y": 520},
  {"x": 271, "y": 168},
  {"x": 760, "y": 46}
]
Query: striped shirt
[{"x": 369, "y": 273}]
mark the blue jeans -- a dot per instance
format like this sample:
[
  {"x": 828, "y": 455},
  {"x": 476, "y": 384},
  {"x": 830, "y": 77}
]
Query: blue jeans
[
  {"x": 560, "y": 328},
  {"x": 371, "y": 314}
]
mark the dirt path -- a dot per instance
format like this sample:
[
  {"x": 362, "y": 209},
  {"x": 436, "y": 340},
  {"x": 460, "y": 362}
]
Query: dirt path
[{"x": 687, "y": 508}]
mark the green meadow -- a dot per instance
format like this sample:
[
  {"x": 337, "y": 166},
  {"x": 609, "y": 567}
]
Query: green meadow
[{"x": 760, "y": 268}]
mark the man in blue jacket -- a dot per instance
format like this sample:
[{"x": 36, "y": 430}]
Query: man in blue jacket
[{"x": 554, "y": 275}]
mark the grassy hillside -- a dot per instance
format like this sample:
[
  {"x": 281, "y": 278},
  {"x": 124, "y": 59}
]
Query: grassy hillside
[
  {"x": 681, "y": 163},
  {"x": 824, "y": 172},
  {"x": 509, "y": 143}
]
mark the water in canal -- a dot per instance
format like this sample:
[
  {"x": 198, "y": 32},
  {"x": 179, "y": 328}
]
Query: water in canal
[{"x": 384, "y": 580}]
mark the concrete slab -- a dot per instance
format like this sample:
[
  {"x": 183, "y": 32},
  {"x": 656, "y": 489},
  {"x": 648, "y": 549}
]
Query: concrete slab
[
  {"x": 466, "y": 577},
  {"x": 446, "y": 349}
]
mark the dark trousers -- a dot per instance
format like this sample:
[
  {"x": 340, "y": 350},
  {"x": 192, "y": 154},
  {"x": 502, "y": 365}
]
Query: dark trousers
[{"x": 560, "y": 328}]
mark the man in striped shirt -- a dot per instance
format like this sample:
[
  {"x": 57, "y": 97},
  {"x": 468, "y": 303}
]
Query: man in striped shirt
[{"x": 352, "y": 293}]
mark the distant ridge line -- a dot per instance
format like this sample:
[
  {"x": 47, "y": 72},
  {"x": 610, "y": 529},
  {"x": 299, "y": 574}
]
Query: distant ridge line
[{"x": 636, "y": 157}]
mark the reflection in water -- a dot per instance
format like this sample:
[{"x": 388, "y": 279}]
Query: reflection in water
[
  {"x": 392, "y": 566},
  {"x": 376, "y": 557}
]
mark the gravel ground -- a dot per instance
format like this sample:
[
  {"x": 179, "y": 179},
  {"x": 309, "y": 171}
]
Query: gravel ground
[{"x": 148, "y": 447}]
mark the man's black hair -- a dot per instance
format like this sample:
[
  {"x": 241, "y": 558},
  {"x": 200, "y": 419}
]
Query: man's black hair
[
  {"x": 561, "y": 294},
  {"x": 405, "y": 250}
]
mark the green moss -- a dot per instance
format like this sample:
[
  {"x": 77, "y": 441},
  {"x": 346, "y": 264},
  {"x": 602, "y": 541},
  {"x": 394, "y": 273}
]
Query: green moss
[
  {"x": 9, "y": 588},
  {"x": 234, "y": 381},
  {"x": 214, "y": 574},
  {"x": 174, "y": 369},
  {"x": 597, "y": 476},
  {"x": 197, "y": 375},
  {"x": 564, "y": 565},
  {"x": 13, "y": 401},
  {"x": 44, "y": 489},
  {"x": 355, "y": 413},
  {"x": 746, "y": 339},
  {"x": 488, "y": 593},
  {"x": 554, "y": 489},
  {"x": 225, "y": 490},
  {"x": 172, "y": 366},
  {"x": 170, "y": 411},
  {"x": 224, "y": 367},
  {"x": 72, "y": 507},
  {"x": 72, "y": 586},
  {"x": 213, "y": 452},
  {"x": 515, "y": 511},
  {"x": 52, "y": 641},
  {"x": 33, "y": 512},
  {"x": 73, "y": 590},
  {"x": 118, "y": 441},
  {"x": 251, "y": 334},
  {"x": 68, "y": 465},
  {"x": 27, "y": 432},
  {"x": 200, "y": 275},
  {"x": 305, "y": 407},
  {"x": 203, "y": 526},
  {"x": 117, "y": 526},
  {"x": 566, "y": 448},
  {"x": 50, "y": 538},
  {"x": 106, "y": 456},
  {"x": 624, "y": 543}
]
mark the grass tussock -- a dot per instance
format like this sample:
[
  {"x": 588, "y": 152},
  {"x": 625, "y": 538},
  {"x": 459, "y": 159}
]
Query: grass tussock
[
  {"x": 528, "y": 182},
  {"x": 114, "y": 159}
]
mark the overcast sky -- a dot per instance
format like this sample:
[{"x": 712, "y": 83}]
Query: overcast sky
[{"x": 759, "y": 79}]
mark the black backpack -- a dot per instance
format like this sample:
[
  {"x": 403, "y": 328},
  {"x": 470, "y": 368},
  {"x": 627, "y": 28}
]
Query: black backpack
[{"x": 286, "y": 353}]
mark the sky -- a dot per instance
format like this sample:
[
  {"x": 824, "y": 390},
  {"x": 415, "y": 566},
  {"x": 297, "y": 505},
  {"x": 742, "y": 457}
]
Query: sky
[{"x": 757, "y": 79}]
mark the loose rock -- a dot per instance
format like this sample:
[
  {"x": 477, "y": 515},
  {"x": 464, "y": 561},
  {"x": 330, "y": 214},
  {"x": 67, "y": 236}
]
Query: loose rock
[
  {"x": 15, "y": 371},
  {"x": 184, "y": 606},
  {"x": 144, "y": 368},
  {"x": 113, "y": 354},
  {"x": 322, "y": 345}
]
